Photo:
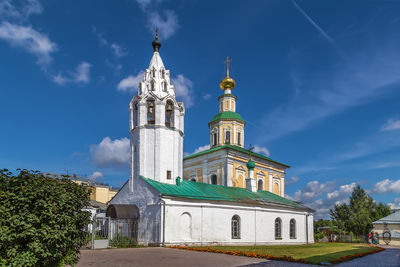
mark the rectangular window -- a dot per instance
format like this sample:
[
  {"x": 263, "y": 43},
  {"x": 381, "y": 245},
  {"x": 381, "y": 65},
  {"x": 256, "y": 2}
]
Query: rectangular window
[
  {"x": 227, "y": 137},
  {"x": 214, "y": 139},
  {"x": 168, "y": 175},
  {"x": 239, "y": 138}
]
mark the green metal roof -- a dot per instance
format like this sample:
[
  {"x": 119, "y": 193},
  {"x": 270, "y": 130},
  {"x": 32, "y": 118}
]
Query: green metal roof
[
  {"x": 227, "y": 115},
  {"x": 203, "y": 191},
  {"x": 392, "y": 218},
  {"x": 237, "y": 148}
]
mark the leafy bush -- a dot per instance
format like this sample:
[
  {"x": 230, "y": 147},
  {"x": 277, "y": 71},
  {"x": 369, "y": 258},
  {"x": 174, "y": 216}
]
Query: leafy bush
[
  {"x": 41, "y": 219},
  {"x": 120, "y": 241}
]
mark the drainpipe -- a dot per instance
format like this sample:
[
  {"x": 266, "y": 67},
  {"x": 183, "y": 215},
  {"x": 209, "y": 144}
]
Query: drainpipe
[
  {"x": 163, "y": 221},
  {"x": 307, "y": 226}
]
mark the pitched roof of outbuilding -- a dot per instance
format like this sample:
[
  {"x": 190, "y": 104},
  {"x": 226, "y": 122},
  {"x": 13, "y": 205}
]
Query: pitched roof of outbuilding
[
  {"x": 204, "y": 191},
  {"x": 237, "y": 148},
  {"x": 392, "y": 218}
]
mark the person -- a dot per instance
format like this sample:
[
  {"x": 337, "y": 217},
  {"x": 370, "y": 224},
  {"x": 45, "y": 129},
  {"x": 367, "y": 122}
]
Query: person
[{"x": 370, "y": 238}]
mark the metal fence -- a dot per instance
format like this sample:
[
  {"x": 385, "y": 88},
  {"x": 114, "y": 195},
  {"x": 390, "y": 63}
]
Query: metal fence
[{"x": 104, "y": 232}]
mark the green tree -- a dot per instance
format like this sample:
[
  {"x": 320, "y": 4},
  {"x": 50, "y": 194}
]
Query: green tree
[
  {"x": 41, "y": 219},
  {"x": 358, "y": 215}
]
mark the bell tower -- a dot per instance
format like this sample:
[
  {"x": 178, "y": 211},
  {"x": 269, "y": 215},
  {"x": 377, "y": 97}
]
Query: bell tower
[
  {"x": 227, "y": 127},
  {"x": 156, "y": 125}
]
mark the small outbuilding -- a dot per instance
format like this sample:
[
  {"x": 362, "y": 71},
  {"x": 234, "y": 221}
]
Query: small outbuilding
[{"x": 388, "y": 228}]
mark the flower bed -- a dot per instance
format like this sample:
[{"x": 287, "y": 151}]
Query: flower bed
[
  {"x": 240, "y": 253},
  {"x": 279, "y": 258}
]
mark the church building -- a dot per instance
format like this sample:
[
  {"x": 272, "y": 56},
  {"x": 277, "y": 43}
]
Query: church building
[
  {"x": 228, "y": 195},
  {"x": 225, "y": 162}
]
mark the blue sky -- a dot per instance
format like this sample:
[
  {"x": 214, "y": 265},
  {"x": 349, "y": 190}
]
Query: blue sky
[{"x": 317, "y": 83}]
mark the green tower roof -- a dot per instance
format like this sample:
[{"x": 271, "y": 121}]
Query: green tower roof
[{"x": 227, "y": 115}]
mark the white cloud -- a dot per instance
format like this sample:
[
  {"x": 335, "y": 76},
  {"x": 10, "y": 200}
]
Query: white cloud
[
  {"x": 292, "y": 180},
  {"x": 207, "y": 96},
  {"x": 201, "y": 148},
  {"x": 80, "y": 75},
  {"x": 391, "y": 125},
  {"x": 28, "y": 39},
  {"x": 28, "y": 7},
  {"x": 323, "y": 196},
  {"x": 261, "y": 150},
  {"x": 96, "y": 176},
  {"x": 166, "y": 24},
  {"x": 386, "y": 186},
  {"x": 395, "y": 204},
  {"x": 118, "y": 50},
  {"x": 143, "y": 3},
  {"x": 344, "y": 190},
  {"x": 130, "y": 83},
  {"x": 312, "y": 190},
  {"x": 183, "y": 89},
  {"x": 111, "y": 153}
]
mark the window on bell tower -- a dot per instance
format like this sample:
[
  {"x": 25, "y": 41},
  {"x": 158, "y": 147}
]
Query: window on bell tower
[
  {"x": 239, "y": 138},
  {"x": 228, "y": 137},
  {"x": 169, "y": 114},
  {"x": 151, "y": 112}
]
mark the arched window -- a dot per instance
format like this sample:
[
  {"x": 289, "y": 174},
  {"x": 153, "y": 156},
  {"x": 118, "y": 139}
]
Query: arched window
[
  {"x": 169, "y": 114},
  {"x": 154, "y": 72},
  {"x": 235, "y": 223},
  {"x": 293, "y": 229},
  {"x": 278, "y": 228},
  {"x": 239, "y": 138},
  {"x": 153, "y": 85},
  {"x": 135, "y": 115},
  {"x": 151, "y": 112},
  {"x": 186, "y": 226},
  {"x": 165, "y": 87},
  {"x": 214, "y": 179},
  {"x": 228, "y": 136},
  {"x": 214, "y": 136},
  {"x": 260, "y": 184},
  {"x": 163, "y": 73}
]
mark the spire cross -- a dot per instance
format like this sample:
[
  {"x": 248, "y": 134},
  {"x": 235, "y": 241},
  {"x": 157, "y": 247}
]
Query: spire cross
[
  {"x": 251, "y": 150},
  {"x": 156, "y": 33},
  {"x": 227, "y": 65}
]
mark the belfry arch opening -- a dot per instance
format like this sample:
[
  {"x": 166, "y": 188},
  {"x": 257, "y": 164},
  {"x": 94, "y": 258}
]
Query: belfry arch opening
[
  {"x": 151, "y": 112},
  {"x": 169, "y": 114}
]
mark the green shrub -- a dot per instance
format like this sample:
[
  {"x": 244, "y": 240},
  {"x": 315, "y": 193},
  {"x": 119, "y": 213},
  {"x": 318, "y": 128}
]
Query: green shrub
[{"x": 41, "y": 219}]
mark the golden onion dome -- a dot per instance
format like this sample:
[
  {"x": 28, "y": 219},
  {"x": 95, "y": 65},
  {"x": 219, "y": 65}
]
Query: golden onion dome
[{"x": 227, "y": 83}]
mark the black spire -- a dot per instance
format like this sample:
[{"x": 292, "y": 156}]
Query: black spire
[{"x": 156, "y": 44}]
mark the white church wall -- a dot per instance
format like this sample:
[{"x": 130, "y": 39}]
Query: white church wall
[
  {"x": 148, "y": 203},
  {"x": 211, "y": 224}
]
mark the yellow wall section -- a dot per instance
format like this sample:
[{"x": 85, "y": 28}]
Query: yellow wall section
[
  {"x": 186, "y": 175},
  {"x": 238, "y": 182},
  {"x": 199, "y": 174},
  {"x": 276, "y": 189}
]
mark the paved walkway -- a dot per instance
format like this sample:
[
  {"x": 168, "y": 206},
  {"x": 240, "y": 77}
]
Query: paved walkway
[{"x": 167, "y": 257}]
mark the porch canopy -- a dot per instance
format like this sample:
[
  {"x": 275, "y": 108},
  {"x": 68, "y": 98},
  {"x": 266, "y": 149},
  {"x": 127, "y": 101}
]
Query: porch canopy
[{"x": 122, "y": 211}]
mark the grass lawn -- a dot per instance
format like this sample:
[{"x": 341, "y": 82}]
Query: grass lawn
[{"x": 315, "y": 253}]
